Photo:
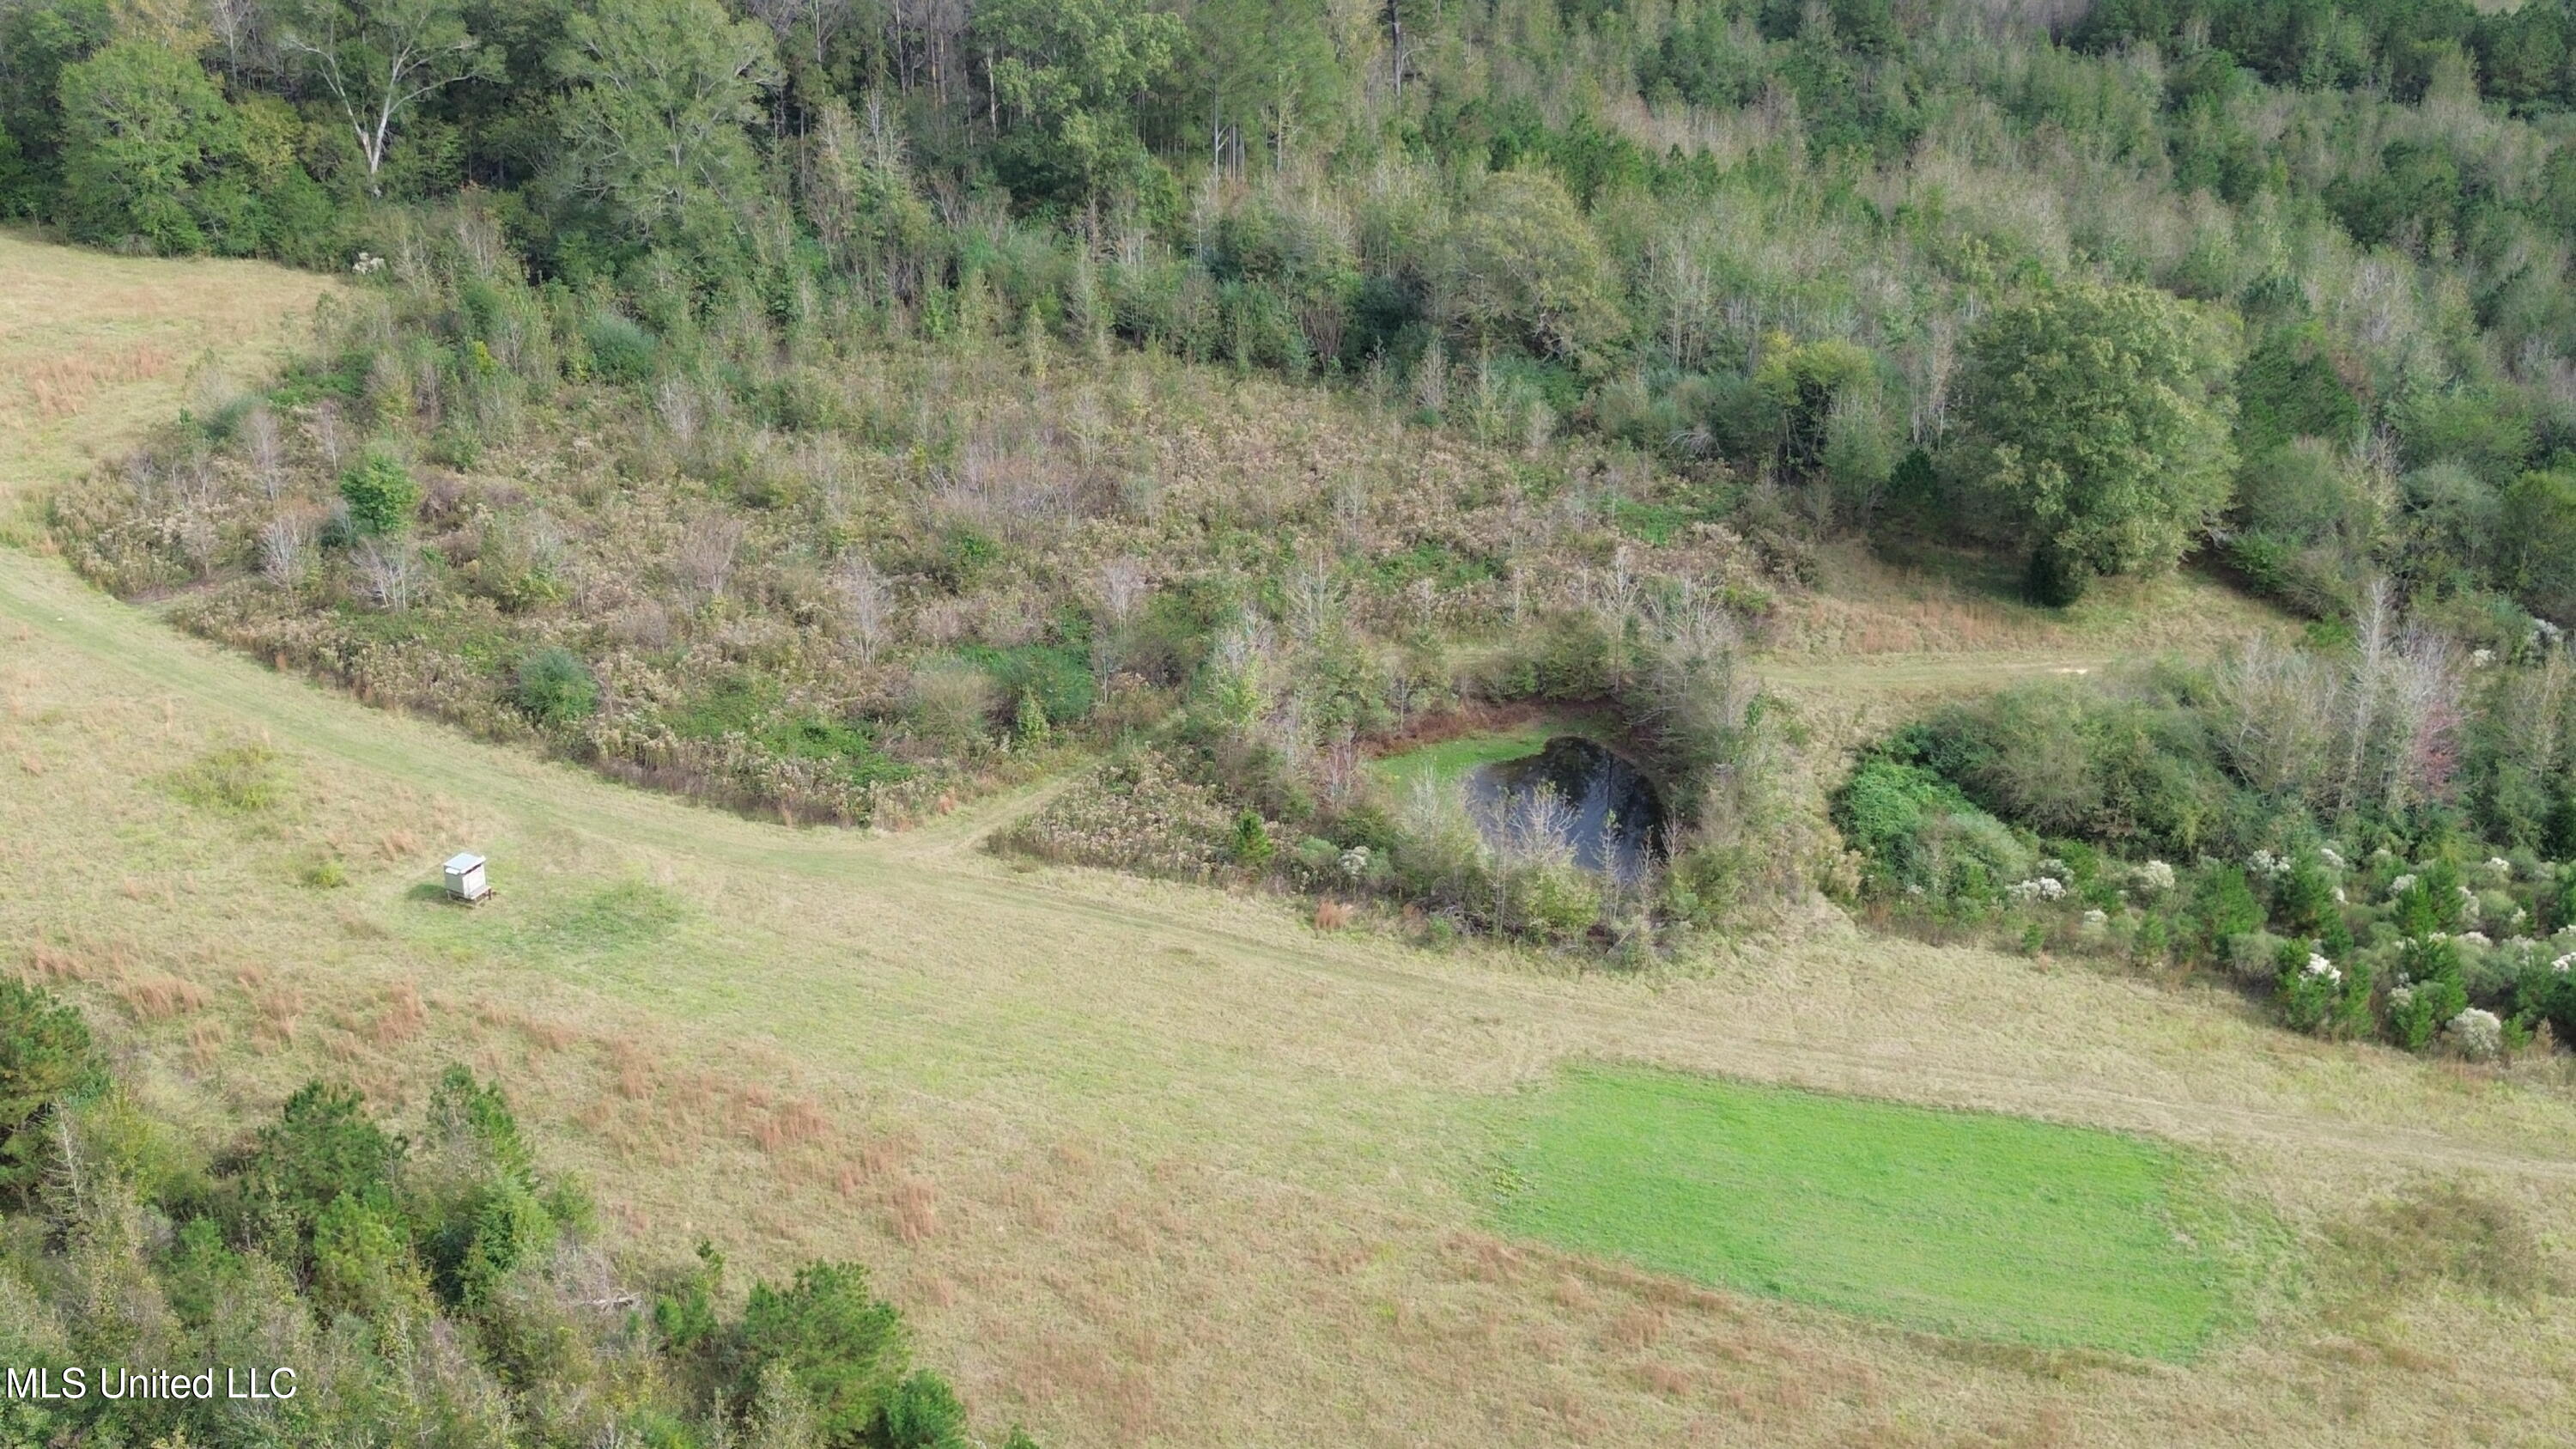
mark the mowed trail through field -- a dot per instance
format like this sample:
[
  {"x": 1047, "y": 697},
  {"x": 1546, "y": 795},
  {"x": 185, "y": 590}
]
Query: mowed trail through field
[{"x": 1204, "y": 1174}]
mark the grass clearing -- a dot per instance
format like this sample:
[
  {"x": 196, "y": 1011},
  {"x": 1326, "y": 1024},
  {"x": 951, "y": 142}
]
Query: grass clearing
[
  {"x": 1969, "y": 1223},
  {"x": 1452, "y": 759},
  {"x": 95, "y": 349}
]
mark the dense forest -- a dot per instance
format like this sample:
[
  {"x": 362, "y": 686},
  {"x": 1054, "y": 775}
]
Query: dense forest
[
  {"x": 1770, "y": 240},
  {"x": 832, "y": 408}
]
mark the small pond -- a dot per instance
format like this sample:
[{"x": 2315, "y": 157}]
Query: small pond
[{"x": 1572, "y": 793}]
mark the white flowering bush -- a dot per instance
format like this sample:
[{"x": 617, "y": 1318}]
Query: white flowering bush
[
  {"x": 2319, "y": 997},
  {"x": 2400, "y": 886},
  {"x": 2037, "y": 888},
  {"x": 2476, "y": 1033},
  {"x": 2155, "y": 877}
]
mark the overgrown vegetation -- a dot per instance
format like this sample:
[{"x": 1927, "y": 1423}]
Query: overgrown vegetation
[
  {"x": 434, "y": 1286},
  {"x": 781, "y": 406},
  {"x": 2379, "y": 833}
]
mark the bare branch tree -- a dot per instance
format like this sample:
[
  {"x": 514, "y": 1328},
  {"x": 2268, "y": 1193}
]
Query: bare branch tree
[
  {"x": 267, "y": 452},
  {"x": 866, "y": 604},
  {"x": 2374, "y": 631},
  {"x": 1313, "y": 598},
  {"x": 1123, "y": 586},
  {"x": 390, "y": 573},
  {"x": 284, "y": 546},
  {"x": 708, "y": 552}
]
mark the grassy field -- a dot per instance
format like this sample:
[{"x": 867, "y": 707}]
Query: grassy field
[
  {"x": 1961, "y": 1222},
  {"x": 1452, "y": 759},
  {"x": 98, "y": 348},
  {"x": 1156, "y": 1165}
]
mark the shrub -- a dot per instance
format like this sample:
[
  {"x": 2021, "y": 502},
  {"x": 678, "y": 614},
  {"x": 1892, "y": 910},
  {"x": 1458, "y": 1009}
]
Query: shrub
[
  {"x": 321, "y": 1148},
  {"x": 555, "y": 687},
  {"x": 1555, "y": 898},
  {"x": 362, "y": 1261},
  {"x": 2055, "y": 578},
  {"x": 2427, "y": 993},
  {"x": 2318, "y": 997},
  {"x": 845, "y": 1348},
  {"x": 923, "y": 1413},
  {"x": 621, "y": 350},
  {"x": 2223, "y": 905},
  {"x": 380, "y": 492},
  {"x": 1252, "y": 846},
  {"x": 2427, "y": 901},
  {"x": 46, "y": 1058},
  {"x": 2475, "y": 1034},
  {"x": 952, "y": 703},
  {"x": 1922, "y": 837}
]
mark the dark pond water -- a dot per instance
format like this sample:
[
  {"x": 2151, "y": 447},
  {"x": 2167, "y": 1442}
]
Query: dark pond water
[{"x": 1576, "y": 795}]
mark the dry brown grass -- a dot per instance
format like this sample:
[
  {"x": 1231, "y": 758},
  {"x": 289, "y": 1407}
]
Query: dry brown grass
[
  {"x": 91, "y": 348},
  {"x": 159, "y": 998},
  {"x": 913, "y": 1204},
  {"x": 59, "y": 386}
]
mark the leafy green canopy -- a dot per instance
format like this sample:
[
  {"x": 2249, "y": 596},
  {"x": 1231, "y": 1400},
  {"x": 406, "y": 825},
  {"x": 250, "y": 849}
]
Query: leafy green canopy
[{"x": 2096, "y": 425}]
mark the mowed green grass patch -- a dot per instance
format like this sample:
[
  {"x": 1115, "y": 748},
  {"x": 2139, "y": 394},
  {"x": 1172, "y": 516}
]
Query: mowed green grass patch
[{"x": 1966, "y": 1223}]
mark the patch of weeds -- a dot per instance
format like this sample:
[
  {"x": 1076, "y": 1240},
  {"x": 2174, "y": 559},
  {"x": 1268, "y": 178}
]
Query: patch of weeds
[
  {"x": 1059, "y": 675},
  {"x": 1451, "y": 568},
  {"x": 323, "y": 873},
  {"x": 753, "y": 707},
  {"x": 731, "y": 704},
  {"x": 239, "y": 780},
  {"x": 2444, "y": 1233},
  {"x": 629, "y": 914},
  {"x": 1657, "y": 523},
  {"x": 851, "y": 750}
]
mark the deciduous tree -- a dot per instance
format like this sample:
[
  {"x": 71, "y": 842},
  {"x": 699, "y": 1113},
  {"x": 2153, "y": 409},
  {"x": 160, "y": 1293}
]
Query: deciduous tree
[
  {"x": 2095, "y": 427},
  {"x": 663, "y": 90},
  {"x": 377, "y": 59}
]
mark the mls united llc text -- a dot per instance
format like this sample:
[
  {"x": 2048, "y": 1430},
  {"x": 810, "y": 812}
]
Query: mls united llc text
[{"x": 115, "y": 1381}]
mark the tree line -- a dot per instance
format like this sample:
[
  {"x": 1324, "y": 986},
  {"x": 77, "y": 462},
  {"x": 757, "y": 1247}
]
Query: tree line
[{"x": 1784, "y": 245}]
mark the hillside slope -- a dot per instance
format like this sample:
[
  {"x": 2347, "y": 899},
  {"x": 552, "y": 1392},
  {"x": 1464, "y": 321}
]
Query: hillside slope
[{"x": 1158, "y": 1164}]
